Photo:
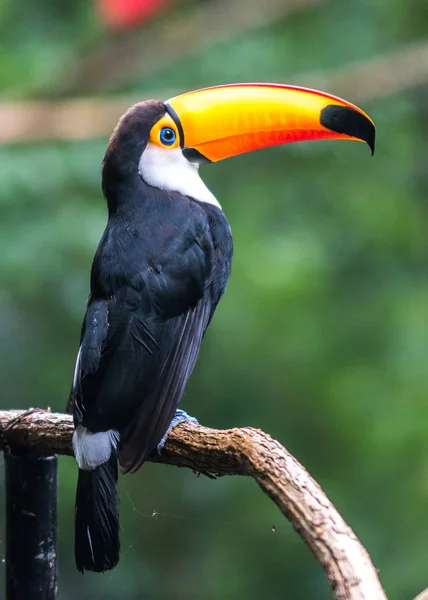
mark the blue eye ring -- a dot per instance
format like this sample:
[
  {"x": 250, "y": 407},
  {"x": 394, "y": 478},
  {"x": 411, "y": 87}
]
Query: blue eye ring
[{"x": 167, "y": 136}]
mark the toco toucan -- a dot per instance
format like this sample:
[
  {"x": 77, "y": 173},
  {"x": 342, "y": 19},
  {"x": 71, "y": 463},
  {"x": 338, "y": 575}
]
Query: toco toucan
[{"x": 159, "y": 271}]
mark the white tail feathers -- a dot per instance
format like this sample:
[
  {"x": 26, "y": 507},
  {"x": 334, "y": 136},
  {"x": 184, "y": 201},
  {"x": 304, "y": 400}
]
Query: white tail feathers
[{"x": 93, "y": 449}]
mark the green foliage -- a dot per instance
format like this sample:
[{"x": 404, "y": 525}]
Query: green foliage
[{"x": 321, "y": 338}]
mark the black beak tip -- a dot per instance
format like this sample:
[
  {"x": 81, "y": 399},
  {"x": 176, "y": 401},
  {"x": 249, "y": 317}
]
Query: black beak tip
[{"x": 344, "y": 119}]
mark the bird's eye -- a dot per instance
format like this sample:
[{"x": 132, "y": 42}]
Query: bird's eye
[{"x": 167, "y": 136}]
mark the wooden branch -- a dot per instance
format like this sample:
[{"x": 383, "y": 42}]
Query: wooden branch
[
  {"x": 246, "y": 451},
  {"x": 86, "y": 118},
  {"x": 76, "y": 119},
  {"x": 378, "y": 77}
]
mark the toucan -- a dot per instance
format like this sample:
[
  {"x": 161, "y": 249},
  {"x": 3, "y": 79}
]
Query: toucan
[{"x": 159, "y": 271}]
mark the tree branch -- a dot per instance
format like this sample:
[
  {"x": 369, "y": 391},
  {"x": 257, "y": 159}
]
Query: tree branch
[
  {"x": 86, "y": 118},
  {"x": 246, "y": 451}
]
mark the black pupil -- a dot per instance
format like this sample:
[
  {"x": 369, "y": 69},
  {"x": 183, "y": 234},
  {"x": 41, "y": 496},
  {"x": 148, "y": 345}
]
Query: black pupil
[{"x": 168, "y": 135}]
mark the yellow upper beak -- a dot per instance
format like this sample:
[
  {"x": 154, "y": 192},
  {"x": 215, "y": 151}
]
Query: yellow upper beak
[{"x": 219, "y": 122}]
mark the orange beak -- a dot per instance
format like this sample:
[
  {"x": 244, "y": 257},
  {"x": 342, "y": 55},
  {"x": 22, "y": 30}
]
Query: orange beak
[{"x": 219, "y": 122}]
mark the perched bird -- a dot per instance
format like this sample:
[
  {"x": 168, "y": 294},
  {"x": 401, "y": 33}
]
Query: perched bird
[{"x": 159, "y": 271}]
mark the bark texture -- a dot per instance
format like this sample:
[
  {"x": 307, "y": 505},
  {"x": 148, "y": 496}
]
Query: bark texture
[{"x": 246, "y": 451}]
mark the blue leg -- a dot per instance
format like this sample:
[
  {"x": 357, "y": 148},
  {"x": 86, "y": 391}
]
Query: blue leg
[{"x": 180, "y": 417}]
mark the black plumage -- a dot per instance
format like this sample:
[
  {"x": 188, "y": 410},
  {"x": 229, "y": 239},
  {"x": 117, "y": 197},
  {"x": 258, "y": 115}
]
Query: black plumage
[
  {"x": 97, "y": 544},
  {"x": 159, "y": 271}
]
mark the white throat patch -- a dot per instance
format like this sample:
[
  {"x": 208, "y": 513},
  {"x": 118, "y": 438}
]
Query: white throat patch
[{"x": 168, "y": 169}]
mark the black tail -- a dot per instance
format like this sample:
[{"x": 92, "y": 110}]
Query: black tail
[{"x": 96, "y": 541}]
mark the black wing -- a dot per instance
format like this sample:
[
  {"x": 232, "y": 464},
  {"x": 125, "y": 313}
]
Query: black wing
[
  {"x": 184, "y": 335},
  {"x": 139, "y": 347}
]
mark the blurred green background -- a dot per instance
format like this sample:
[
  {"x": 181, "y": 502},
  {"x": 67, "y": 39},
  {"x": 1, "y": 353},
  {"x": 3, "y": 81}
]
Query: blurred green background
[{"x": 322, "y": 337}]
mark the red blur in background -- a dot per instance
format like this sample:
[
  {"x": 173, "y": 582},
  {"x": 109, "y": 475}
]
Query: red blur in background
[{"x": 124, "y": 14}]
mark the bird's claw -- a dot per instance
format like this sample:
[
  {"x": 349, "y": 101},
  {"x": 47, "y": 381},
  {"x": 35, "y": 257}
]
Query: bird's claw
[{"x": 180, "y": 416}]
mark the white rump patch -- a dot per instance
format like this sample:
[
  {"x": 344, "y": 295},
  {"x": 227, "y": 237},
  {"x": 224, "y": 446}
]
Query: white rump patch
[
  {"x": 168, "y": 169},
  {"x": 93, "y": 449}
]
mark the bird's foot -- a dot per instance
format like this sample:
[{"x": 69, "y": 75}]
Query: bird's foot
[{"x": 180, "y": 417}]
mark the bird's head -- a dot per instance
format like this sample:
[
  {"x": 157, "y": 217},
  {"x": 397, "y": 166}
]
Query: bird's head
[{"x": 164, "y": 142}]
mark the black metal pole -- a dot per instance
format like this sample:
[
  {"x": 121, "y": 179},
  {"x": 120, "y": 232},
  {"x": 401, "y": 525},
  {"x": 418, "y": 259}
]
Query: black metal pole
[{"x": 31, "y": 527}]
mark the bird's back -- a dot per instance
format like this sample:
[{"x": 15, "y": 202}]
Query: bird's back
[{"x": 154, "y": 287}]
